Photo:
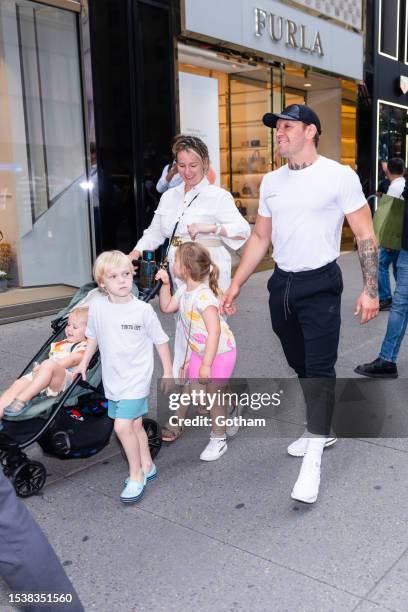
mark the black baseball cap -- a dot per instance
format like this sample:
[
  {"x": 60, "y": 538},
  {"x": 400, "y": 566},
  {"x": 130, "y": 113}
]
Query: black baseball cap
[{"x": 294, "y": 112}]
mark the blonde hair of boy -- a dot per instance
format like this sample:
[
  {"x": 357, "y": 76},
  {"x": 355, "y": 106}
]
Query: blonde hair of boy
[
  {"x": 107, "y": 261},
  {"x": 79, "y": 314}
]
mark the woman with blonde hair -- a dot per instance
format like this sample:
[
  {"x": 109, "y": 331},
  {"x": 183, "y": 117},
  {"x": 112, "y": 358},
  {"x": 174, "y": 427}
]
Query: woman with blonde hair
[{"x": 204, "y": 213}]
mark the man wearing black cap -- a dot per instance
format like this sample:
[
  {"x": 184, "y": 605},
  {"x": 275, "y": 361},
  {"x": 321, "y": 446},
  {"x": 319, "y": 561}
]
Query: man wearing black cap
[{"x": 301, "y": 209}]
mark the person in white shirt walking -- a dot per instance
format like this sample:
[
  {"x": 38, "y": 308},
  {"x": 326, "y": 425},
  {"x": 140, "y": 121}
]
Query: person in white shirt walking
[
  {"x": 125, "y": 329},
  {"x": 205, "y": 213},
  {"x": 395, "y": 173},
  {"x": 302, "y": 208}
]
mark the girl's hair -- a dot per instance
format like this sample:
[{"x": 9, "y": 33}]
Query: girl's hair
[
  {"x": 196, "y": 260},
  {"x": 107, "y": 261},
  {"x": 192, "y": 143},
  {"x": 79, "y": 314}
]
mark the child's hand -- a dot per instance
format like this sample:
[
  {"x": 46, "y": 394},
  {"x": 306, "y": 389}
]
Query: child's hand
[
  {"x": 167, "y": 382},
  {"x": 204, "y": 374},
  {"x": 163, "y": 276},
  {"x": 80, "y": 370}
]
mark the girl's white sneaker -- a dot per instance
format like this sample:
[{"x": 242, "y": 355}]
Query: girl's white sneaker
[{"x": 214, "y": 449}]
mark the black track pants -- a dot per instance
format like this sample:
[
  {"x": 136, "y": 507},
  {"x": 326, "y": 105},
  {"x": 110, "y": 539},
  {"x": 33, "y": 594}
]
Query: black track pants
[{"x": 305, "y": 314}]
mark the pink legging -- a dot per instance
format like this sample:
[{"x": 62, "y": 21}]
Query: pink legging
[{"x": 222, "y": 367}]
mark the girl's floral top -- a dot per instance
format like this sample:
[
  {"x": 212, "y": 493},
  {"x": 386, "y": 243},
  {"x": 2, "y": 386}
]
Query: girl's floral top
[{"x": 192, "y": 304}]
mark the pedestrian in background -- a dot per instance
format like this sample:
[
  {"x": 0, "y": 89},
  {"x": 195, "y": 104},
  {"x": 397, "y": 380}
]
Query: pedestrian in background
[
  {"x": 302, "y": 208},
  {"x": 385, "y": 365},
  {"x": 394, "y": 170},
  {"x": 170, "y": 176}
]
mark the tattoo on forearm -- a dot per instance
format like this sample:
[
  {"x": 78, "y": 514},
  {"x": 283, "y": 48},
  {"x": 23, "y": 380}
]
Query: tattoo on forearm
[{"x": 368, "y": 254}]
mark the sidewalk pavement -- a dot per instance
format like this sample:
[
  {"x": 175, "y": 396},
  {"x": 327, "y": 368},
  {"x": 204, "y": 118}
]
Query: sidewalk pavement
[{"x": 226, "y": 535}]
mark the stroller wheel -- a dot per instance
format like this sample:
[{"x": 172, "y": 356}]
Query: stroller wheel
[
  {"x": 29, "y": 478},
  {"x": 153, "y": 431}
]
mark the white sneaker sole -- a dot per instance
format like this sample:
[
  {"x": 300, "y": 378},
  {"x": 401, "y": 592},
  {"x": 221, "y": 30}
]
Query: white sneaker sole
[
  {"x": 329, "y": 443},
  {"x": 305, "y": 500},
  {"x": 213, "y": 458}
]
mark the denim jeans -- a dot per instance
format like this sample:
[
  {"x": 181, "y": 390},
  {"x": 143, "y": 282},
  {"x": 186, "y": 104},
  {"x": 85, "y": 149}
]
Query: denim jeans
[
  {"x": 387, "y": 257},
  {"x": 398, "y": 317}
]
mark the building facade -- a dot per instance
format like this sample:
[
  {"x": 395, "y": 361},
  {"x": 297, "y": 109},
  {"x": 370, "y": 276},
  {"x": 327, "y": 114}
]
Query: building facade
[
  {"x": 383, "y": 97},
  {"x": 92, "y": 93}
]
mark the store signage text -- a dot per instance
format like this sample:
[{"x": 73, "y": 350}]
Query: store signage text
[{"x": 294, "y": 35}]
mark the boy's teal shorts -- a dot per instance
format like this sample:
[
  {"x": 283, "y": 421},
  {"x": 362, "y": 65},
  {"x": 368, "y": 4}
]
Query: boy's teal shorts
[{"x": 128, "y": 408}]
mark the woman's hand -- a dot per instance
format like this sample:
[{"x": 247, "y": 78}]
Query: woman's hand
[
  {"x": 163, "y": 276},
  {"x": 204, "y": 374},
  {"x": 200, "y": 228},
  {"x": 134, "y": 255}
]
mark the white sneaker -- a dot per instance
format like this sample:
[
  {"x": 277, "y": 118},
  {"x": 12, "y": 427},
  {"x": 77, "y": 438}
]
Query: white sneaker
[
  {"x": 214, "y": 449},
  {"x": 298, "y": 447},
  {"x": 306, "y": 487}
]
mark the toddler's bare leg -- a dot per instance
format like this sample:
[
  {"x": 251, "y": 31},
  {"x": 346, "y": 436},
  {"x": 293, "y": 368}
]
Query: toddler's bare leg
[
  {"x": 124, "y": 429},
  {"x": 12, "y": 392},
  {"x": 49, "y": 374},
  {"x": 145, "y": 456}
]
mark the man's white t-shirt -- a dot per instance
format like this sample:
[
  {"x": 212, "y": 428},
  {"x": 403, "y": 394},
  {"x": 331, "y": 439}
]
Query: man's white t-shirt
[
  {"x": 125, "y": 334},
  {"x": 396, "y": 187},
  {"x": 307, "y": 208}
]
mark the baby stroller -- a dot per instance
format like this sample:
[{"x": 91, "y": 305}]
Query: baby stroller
[{"x": 72, "y": 425}]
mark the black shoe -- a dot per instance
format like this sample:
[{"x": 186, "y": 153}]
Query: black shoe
[
  {"x": 386, "y": 304},
  {"x": 379, "y": 368}
]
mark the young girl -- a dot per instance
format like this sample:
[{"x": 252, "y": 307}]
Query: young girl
[
  {"x": 53, "y": 375},
  {"x": 210, "y": 340},
  {"x": 125, "y": 330}
]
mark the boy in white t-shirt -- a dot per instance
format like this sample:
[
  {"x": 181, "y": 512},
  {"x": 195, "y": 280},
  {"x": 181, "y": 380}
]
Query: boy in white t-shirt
[{"x": 125, "y": 329}]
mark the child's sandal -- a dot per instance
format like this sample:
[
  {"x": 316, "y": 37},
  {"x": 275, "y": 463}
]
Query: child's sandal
[{"x": 16, "y": 408}]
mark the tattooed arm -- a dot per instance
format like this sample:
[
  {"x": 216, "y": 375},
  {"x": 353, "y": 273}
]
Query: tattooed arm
[
  {"x": 362, "y": 226},
  {"x": 368, "y": 254}
]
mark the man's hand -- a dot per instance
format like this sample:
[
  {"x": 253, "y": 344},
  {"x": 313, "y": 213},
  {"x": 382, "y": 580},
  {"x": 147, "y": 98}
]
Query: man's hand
[
  {"x": 227, "y": 305},
  {"x": 367, "y": 306}
]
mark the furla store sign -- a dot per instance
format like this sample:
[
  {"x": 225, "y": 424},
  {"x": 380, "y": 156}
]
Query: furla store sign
[
  {"x": 272, "y": 28},
  {"x": 285, "y": 30}
]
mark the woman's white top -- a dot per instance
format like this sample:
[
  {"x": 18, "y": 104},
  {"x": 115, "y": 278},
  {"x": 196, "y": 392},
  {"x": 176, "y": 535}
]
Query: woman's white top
[{"x": 211, "y": 204}]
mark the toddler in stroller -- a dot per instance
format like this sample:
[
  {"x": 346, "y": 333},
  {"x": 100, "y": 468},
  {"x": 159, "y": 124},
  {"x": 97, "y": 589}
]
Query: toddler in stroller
[{"x": 53, "y": 375}]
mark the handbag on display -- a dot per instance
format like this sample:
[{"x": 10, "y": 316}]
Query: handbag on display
[
  {"x": 256, "y": 163},
  {"x": 388, "y": 222},
  {"x": 246, "y": 190}
]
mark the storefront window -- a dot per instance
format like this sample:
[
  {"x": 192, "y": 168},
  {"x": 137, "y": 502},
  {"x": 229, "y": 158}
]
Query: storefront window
[
  {"x": 389, "y": 27},
  {"x": 45, "y": 215},
  {"x": 392, "y": 134}
]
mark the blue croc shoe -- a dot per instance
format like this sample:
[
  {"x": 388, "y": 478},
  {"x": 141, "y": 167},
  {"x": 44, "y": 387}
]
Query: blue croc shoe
[
  {"x": 151, "y": 475},
  {"x": 16, "y": 408},
  {"x": 133, "y": 491}
]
